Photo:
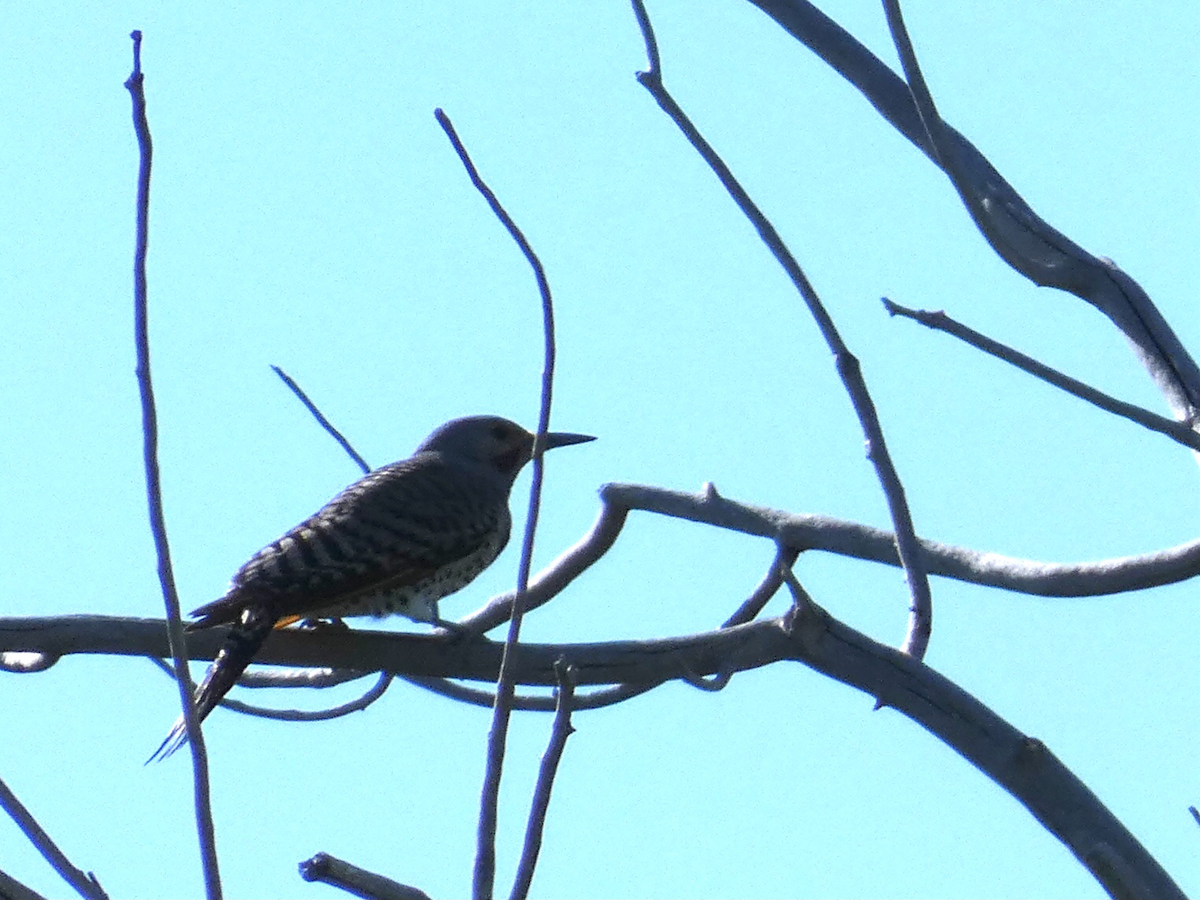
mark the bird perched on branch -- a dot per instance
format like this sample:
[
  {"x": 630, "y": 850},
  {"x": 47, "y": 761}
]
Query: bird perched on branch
[{"x": 394, "y": 542}]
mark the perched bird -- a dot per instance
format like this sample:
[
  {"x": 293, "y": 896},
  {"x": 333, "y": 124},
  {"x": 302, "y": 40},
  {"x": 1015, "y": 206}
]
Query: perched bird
[{"x": 394, "y": 542}]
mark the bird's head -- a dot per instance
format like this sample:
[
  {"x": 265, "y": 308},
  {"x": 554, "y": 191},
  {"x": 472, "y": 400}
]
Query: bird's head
[{"x": 493, "y": 441}]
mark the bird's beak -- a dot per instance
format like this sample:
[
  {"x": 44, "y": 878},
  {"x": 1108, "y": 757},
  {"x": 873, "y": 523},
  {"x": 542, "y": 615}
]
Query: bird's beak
[{"x": 565, "y": 439}]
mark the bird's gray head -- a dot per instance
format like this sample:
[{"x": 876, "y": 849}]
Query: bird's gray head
[{"x": 497, "y": 443}]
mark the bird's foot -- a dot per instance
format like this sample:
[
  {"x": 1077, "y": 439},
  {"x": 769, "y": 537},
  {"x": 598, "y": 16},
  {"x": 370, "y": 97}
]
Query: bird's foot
[
  {"x": 452, "y": 631},
  {"x": 333, "y": 623}
]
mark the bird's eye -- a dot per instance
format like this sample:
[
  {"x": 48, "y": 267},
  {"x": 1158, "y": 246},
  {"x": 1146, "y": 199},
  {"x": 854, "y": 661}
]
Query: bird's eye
[{"x": 500, "y": 432}]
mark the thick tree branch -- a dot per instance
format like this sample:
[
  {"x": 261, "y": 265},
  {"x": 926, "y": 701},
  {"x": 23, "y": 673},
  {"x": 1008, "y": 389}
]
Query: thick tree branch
[
  {"x": 11, "y": 889},
  {"x": 1019, "y": 763}
]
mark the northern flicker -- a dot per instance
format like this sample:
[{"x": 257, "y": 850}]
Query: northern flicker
[{"x": 394, "y": 542}]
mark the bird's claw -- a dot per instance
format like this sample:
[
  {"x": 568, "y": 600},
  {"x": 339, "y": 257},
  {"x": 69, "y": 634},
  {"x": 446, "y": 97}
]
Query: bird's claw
[
  {"x": 324, "y": 624},
  {"x": 453, "y": 631}
]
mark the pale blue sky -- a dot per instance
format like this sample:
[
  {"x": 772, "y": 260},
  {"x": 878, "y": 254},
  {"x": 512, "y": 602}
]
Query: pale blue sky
[{"x": 308, "y": 212}]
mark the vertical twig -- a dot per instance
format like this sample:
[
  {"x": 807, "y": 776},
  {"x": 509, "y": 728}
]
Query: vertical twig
[
  {"x": 483, "y": 883},
  {"x": 920, "y": 621},
  {"x": 158, "y": 525},
  {"x": 559, "y": 732}
]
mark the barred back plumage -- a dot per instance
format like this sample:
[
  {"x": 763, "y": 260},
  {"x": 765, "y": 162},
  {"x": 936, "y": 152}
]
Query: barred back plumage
[{"x": 394, "y": 542}]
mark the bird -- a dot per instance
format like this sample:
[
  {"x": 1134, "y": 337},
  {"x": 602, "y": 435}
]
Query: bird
[{"x": 395, "y": 542}]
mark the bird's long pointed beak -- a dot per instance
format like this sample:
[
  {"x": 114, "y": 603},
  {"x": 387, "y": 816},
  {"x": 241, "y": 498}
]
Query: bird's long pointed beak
[{"x": 565, "y": 439}]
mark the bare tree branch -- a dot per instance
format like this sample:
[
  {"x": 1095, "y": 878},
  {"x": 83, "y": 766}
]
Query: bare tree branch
[
  {"x": 1019, "y": 763},
  {"x": 358, "y": 704},
  {"x": 528, "y": 702},
  {"x": 813, "y": 532},
  {"x": 851, "y": 539},
  {"x": 485, "y": 860},
  {"x": 84, "y": 883},
  {"x": 1022, "y": 765},
  {"x": 1040, "y": 250},
  {"x": 324, "y": 422},
  {"x": 158, "y": 525},
  {"x": 559, "y": 732},
  {"x": 920, "y": 622},
  {"x": 11, "y": 889},
  {"x": 554, "y": 578},
  {"x": 300, "y": 678},
  {"x": 939, "y": 321},
  {"x": 767, "y": 588},
  {"x": 359, "y": 882},
  {"x": 432, "y": 655}
]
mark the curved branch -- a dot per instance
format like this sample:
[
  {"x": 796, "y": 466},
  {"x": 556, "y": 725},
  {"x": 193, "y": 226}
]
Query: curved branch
[
  {"x": 1022, "y": 765},
  {"x": 1038, "y": 251},
  {"x": 552, "y": 580},
  {"x": 920, "y": 620},
  {"x": 485, "y": 860},
  {"x": 802, "y": 532},
  {"x": 813, "y": 532},
  {"x": 299, "y": 678},
  {"x": 529, "y": 702}
]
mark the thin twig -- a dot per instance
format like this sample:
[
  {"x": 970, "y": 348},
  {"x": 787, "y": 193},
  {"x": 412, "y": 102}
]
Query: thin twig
[
  {"x": 84, "y": 883},
  {"x": 359, "y": 882},
  {"x": 920, "y": 622},
  {"x": 939, "y": 321},
  {"x": 766, "y": 589},
  {"x": 483, "y": 882},
  {"x": 361, "y": 702},
  {"x": 551, "y": 581},
  {"x": 527, "y": 702},
  {"x": 324, "y": 422},
  {"x": 358, "y": 704},
  {"x": 158, "y": 525},
  {"x": 559, "y": 732}
]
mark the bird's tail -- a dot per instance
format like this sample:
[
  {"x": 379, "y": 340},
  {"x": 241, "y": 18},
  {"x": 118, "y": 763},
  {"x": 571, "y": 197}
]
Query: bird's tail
[{"x": 245, "y": 637}]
